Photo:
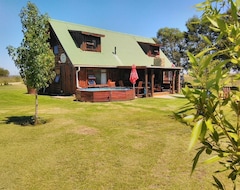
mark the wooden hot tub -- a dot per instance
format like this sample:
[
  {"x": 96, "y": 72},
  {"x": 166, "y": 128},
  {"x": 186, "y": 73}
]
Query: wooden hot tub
[{"x": 107, "y": 94}]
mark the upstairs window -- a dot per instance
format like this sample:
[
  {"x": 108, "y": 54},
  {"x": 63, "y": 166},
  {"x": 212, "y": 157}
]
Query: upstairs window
[
  {"x": 152, "y": 50},
  {"x": 87, "y": 41}
]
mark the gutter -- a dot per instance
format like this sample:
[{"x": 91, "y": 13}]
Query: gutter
[{"x": 77, "y": 71}]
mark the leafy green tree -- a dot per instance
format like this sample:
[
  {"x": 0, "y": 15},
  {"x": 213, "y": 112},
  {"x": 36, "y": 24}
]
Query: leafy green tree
[
  {"x": 34, "y": 58},
  {"x": 4, "y": 72},
  {"x": 171, "y": 40},
  {"x": 197, "y": 31},
  {"x": 197, "y": 38},
  {"x": 213, "y": 113}
]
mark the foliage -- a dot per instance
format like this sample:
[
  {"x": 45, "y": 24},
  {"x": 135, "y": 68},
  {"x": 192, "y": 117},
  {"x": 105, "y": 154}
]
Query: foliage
[
  {"x": 34, "y": 58},
  {"x": 171, "y": 43},
  {"x": 210, "y": 110},
  {"x": 197, "y": 37},
  {"x": 4, "y": 72}
]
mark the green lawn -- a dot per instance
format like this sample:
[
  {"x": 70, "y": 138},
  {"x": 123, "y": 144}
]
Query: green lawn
[{"x": 133, "y": 145}]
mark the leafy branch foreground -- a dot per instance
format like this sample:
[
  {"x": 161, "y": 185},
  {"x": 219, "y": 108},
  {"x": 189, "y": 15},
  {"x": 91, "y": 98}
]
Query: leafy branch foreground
[{"x": 213, "y": 113}]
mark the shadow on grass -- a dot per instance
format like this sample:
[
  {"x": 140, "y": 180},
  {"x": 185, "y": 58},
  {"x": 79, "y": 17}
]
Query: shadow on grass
[{"x": 24, "y": 120}]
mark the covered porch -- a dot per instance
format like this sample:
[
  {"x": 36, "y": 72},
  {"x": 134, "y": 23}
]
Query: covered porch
[{"x": 153, "y": 81}]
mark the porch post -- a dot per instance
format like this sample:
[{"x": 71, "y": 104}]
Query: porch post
[
  {"x": 178, "y": 82},
  {"x": 146, "y": 82},
  {"x": 173, "y": 82},
  {"x": 152, "y": 82}
]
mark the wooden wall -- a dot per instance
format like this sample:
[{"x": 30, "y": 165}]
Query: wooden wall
[{"x": 65, "y": 81}]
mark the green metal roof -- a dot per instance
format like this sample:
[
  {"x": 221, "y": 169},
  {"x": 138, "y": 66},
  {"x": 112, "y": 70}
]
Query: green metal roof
[{"x": 128, "y": 50}]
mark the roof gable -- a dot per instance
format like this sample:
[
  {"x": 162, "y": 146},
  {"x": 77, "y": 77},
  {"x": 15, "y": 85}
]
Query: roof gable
[{"x": 117, "y": 49}]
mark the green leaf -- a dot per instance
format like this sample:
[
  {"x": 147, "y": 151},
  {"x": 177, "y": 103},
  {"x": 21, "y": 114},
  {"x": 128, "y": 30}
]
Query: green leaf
[
  {"x": 234, "y": 106},
  {"x": 196, "y": 158},
  {"x": 203, "y": 132},
  {"x": 234, "y": 11},
  {"x": 221, "y": 24},
  {"x": 206, "y": 61},
  {"x": 230, "y": 39},
  {"x": 212, "y": 159},
  {"x": 192, "y": 59},
  {"x": 233, "y": 175},
  {"x": 234, "y": 136},
  {"x": 185, "y": 90},
  {"x": 219, "y": 66},
  {"x": 215, "y": 136},
  {"x": 213, "y": 22},
  {"x": 210, "y": 83},
  {"x": 205, "y": 38},
  {"x": 234, "y": 61},
  {"x": 215, "y": 29},
  {"x": 209, "y": 125},
  {"x": 218, "y": 184},
  {"x": 189, "y": 118},
  {"x": 202, "y": 53},
  {"x": 208, "y": 151},
  {"x": 196, "y": 131}
]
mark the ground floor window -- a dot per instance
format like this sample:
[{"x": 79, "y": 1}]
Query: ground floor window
[{"x": 98, "y": 75}]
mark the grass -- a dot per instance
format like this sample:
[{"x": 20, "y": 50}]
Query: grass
[{"x": 115, "y": 145}]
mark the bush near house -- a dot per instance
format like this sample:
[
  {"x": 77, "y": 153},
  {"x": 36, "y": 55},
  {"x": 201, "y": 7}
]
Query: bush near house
[{"x": 9, "y": 79}]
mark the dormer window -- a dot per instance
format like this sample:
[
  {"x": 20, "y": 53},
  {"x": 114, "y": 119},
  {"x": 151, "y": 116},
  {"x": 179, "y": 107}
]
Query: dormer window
[
  {"x": 87, "y": 41},
  {"x": 152, "y": 50}
]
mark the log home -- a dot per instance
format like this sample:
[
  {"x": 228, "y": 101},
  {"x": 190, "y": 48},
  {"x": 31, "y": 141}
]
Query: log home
[{"x": 87, "y": 56}]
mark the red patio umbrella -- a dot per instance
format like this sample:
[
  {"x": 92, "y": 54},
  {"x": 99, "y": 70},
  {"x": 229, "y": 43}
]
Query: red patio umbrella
[{"x": 133, "y": 77}]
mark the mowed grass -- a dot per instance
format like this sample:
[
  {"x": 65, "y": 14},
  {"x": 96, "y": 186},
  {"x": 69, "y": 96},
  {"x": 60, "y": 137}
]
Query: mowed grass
[{"x": 113, "y": 145}]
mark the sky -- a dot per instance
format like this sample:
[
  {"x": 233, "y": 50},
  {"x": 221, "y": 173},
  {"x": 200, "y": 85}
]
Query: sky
[{"x": 137, "y": 17}]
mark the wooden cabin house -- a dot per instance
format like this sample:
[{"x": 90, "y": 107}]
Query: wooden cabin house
[{"x": 87, "y": 56}]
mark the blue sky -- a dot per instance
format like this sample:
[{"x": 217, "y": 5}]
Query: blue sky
[{"x": 137, "y": 17}]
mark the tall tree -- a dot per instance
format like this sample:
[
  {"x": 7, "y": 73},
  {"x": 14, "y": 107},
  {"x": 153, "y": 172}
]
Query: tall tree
[
  {"x": 196, "y": 30},
  {"x": 171, "y": 40},
  {"x": 193, "y": 38},
  {"x": 34, "y": 58},
  {"x": 199, "y": 36}
]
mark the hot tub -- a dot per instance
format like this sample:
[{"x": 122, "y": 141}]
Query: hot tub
[{"x": 107, "y": 94}]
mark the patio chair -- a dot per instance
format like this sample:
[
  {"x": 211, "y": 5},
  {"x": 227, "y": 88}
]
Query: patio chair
[
  {"x": 120, "y": 83},
  {"x": 111, "y": 83},
  {"x": 157, "y": 88},
  {"x": 139, "y": 89},
  {"x": 91, "y": 83}
]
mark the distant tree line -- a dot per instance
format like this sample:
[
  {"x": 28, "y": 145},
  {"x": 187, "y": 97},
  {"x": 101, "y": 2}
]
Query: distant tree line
[{"x": 4, "y": 72}]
